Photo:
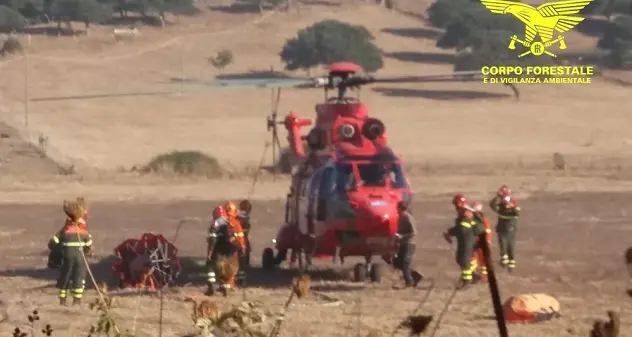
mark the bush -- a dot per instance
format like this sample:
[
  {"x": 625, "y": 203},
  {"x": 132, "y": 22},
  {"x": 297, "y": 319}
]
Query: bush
[
  {"x": 330, "y": 41},
  {"x": 11, "y": 46},
  {"x": 188, "y": 163},
  {"x": 223, "y": 59}
]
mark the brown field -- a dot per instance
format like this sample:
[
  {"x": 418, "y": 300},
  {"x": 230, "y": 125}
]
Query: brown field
[
  {"x": 569, "y": 246},
  {"x": 466, "y": 138}
]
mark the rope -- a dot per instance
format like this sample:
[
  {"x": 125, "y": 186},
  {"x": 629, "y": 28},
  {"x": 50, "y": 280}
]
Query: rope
[
  {"x": 445, "y": 307},
  {"x": 94, "y": 282},
  {"x": 418, "y": 307}
]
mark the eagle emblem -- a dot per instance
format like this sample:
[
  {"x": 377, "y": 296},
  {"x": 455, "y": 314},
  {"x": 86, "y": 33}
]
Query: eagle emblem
[{"x": 544, "y": 21}]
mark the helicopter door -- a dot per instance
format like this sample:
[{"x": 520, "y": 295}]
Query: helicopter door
[{"x": 302, "y": 206}]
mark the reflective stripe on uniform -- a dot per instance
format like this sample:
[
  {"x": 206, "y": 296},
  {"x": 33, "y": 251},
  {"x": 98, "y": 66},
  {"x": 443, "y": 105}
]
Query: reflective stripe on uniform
[
  {"x": 211, "y": 277},
  {"x": 62, "y": 293},
  {"x": 212, "y": 235},
  {"x": 77, "y": 293},
  {"x": 239, "y": 234},
  {"x": 507, "y": 217},
  {"x": 466, "y": 224},
  {"x": 55, "y": 239},
  {"x": 76, "y": 244},
  {"x": 488, "y": 230}
]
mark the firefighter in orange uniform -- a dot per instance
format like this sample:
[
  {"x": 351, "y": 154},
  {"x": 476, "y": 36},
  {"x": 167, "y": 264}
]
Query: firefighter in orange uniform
[
  {"x": 240, "y": 241},
  {"x": 74, "y": 243},
  {"x": 478, "y": 258}
]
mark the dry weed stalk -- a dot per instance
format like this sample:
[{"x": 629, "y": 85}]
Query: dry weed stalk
[
  {"x": 227, "y": 268},
  {"x": 300, "y": 288},
  {"x": 33, "y": 317},
  {"x": 73, "y": 210},
  {"x": 242, "y": 320},
  {"x": 205, "y": 309},
  {"x": 106, "y": 324},
  {"x": 606, "y": 329},
  {"x": 301, "y": 285}
]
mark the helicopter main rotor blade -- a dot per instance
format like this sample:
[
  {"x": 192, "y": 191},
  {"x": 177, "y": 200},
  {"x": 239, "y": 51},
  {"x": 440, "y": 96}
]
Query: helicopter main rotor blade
[
  {"x": 448, "y": 77},
  {"x": 457, "y": 76},
  {"x": 193, "y": 88}
]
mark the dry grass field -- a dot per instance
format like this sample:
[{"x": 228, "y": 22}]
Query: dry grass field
[{"x": 466, "y": 138}]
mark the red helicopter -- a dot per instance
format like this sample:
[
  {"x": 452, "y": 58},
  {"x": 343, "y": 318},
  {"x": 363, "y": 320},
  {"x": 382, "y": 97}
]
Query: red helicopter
[
  {"x": 347, "y": 183},
  {"x": 346, "y": 187}
]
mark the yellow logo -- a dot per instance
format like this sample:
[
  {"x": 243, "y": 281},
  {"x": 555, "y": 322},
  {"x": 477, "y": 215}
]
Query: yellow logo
[{"x": 544, "y": 21}]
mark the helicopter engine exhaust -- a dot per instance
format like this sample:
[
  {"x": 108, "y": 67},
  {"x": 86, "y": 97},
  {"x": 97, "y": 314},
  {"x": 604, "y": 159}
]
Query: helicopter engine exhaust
[
  {"x": 346, "y": 131},
  {"x": 373, "y": 128}
]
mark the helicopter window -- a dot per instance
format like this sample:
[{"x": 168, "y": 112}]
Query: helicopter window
[
  {"x": 397, "y": 177},
  {"x": 373, "y": 174},
  {"x": 345, "y": 178}
]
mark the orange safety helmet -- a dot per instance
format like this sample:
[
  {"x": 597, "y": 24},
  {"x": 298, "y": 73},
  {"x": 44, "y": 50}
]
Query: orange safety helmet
[
  {"x": 459, "y": 201},
  {"x": 477, "y": 206},
  {"x": 219, "y": 212},
  {"x": 230, "y": 208}
]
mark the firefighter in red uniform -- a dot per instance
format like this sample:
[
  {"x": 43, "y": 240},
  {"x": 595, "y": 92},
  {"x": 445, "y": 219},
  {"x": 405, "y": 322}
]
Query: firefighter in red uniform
[
  {"x": 464, "y": 230},
  {"x": 478, "y": 258}
]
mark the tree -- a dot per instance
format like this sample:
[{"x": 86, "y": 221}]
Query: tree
[
  {"x": 470, "y": 26},
  {"x": 86, "y": 11},
  {"x": 331, "y": 41},
  {"x": 11, "y": 20},
  {"x": 441, "y": 12}
]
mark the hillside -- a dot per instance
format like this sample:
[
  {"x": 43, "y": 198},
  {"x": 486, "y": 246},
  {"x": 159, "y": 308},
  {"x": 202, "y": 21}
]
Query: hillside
[{"x": 444, "y": 125}]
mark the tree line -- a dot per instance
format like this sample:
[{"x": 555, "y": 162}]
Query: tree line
[
  {"x": 481, "y": 37},
  {"x": 16, "y": 15}
]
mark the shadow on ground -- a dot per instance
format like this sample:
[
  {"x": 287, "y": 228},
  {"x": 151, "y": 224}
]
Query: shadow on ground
[
  {"x": 239, "y": 8},
  {"x": 417, "y": 33},
  {"x": 53, "y": 31},
  {"x": 432, "y": 58},
  {"x": 439, "y": 94},
  {"x": 254, "y": 74}
]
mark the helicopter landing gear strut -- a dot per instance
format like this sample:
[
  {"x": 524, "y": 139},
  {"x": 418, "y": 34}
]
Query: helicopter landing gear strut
[{"x": 372, "y": 271}]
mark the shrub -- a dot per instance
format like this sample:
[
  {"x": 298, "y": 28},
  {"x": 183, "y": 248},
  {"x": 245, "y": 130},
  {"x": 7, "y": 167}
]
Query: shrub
[
  {"x": 11, "y": 46},
  {"x": 188, "y": 163},
  {"x": 223, "y": 59}
]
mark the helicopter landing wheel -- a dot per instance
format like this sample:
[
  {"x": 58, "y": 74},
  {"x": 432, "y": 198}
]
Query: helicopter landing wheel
[
  {"x": 375, "y": 272},
  {"x": 359, "y": 272},
  {"x": 268, "y": 262}
]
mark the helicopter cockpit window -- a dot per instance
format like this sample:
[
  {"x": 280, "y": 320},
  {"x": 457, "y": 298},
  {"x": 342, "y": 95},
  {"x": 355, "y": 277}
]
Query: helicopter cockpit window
[
  {"x": 397, "y": 177},
  {"x": 372, "y": 175},
  {"x": 345, "y": 180}
]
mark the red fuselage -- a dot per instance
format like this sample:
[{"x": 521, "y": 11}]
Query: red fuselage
[{"x": 347, "y": 204}]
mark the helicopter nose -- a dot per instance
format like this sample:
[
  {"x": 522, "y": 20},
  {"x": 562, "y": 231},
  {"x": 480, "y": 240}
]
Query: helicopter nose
[{"x": 385, "y": 221}]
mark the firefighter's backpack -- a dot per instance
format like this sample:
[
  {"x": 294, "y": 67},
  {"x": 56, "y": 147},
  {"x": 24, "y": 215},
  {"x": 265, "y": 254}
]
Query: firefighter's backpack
[{"x": 531, "y": 308}]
